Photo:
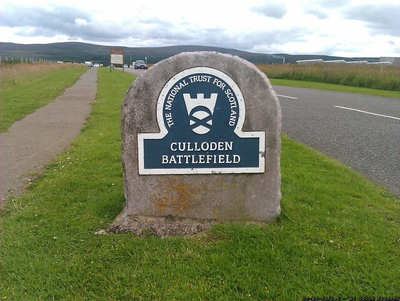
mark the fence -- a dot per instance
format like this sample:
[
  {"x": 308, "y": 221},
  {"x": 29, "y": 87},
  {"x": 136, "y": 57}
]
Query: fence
[{"x": 24, "y": 60}]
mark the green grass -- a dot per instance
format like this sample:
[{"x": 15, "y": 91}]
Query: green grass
[
  {"x": 21, "y": 97},
  {"x": 364, "y": 76},
  {"x": 338, "y": 234},
  {"x": 333, "y": 87}
]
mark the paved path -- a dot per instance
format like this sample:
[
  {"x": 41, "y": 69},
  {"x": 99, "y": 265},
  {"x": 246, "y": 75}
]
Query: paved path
[
  {"x": 36, "y": 140},
  {"x": 362, "y": 131}
]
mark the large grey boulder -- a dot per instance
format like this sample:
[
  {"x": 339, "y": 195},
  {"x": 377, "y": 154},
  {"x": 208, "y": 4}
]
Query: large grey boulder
[{"x": 195, "y": 197}]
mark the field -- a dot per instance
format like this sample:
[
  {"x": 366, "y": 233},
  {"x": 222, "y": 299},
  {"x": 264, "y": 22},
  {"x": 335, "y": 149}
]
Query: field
[
  {"x": 26, "y": 87},
  {"x": 338, "y": 234},
  {"x": 364, "y": 76}
]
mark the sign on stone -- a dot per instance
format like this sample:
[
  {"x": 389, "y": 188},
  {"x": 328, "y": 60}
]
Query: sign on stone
[{"x": 201, "y": 112}]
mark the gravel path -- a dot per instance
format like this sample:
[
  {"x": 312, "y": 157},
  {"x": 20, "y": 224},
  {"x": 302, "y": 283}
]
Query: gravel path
[{"x": 37, "y": 139}]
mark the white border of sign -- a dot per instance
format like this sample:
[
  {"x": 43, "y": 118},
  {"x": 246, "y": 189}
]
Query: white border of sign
[{"x": 238, "y": 130}]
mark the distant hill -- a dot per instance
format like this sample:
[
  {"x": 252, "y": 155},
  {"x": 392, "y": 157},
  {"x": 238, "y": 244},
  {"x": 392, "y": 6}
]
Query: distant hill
[{"x": 81, "y": 52}]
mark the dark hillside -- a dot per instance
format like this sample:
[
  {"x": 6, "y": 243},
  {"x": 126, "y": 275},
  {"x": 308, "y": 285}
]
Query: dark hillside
[{"x": 81, "y": 52}]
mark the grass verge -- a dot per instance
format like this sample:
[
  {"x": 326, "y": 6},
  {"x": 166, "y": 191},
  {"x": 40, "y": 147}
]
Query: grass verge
[
  {"x": 355, "y": 75},
  {"x": 23, "y": 96},
  {"x": 333, "y": 87},
  {"x": 338, "y": 235}
]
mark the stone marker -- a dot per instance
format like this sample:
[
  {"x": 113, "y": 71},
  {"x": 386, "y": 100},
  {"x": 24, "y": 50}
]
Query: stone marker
[{"x": 200, "y": 143}]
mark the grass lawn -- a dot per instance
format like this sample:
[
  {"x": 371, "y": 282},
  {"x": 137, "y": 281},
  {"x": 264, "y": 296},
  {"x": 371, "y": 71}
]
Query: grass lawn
[
  {"x": 338, "y": 234},
  {"x": 22, "y": 93}
]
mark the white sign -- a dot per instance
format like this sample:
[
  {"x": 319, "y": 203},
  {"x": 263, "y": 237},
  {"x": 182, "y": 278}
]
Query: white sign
[
  {"x": 117, "y": 56},
  {"x": 117, "y": 59}
]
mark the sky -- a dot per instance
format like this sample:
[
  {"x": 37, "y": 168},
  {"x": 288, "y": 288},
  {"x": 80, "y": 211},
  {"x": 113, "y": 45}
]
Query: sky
[{"x": 350, "y": 28}]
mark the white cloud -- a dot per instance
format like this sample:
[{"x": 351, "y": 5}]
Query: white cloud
[
  {"x": 81, "y": 22},
  {"x": 271, "y": 9},
  {"x": 292, "y": 26},
  {"x": 382, "y": 18}
]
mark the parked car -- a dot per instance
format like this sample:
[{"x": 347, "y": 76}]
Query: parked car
[
  {"x": 125, "y": 66},
  {"x": 140, "y": 64}
]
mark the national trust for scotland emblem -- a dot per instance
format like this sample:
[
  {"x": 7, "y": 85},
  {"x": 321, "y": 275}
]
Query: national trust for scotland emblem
[{"x": 200, "y": 113}]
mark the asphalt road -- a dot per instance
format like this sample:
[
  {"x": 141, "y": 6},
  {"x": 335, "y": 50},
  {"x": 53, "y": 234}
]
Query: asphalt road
[
  {"x": 137, "y": 72},
  {"x": 361, "y": 131}
]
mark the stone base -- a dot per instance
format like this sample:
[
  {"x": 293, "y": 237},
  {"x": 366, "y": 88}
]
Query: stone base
[{"x": 162, "y": 226}]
